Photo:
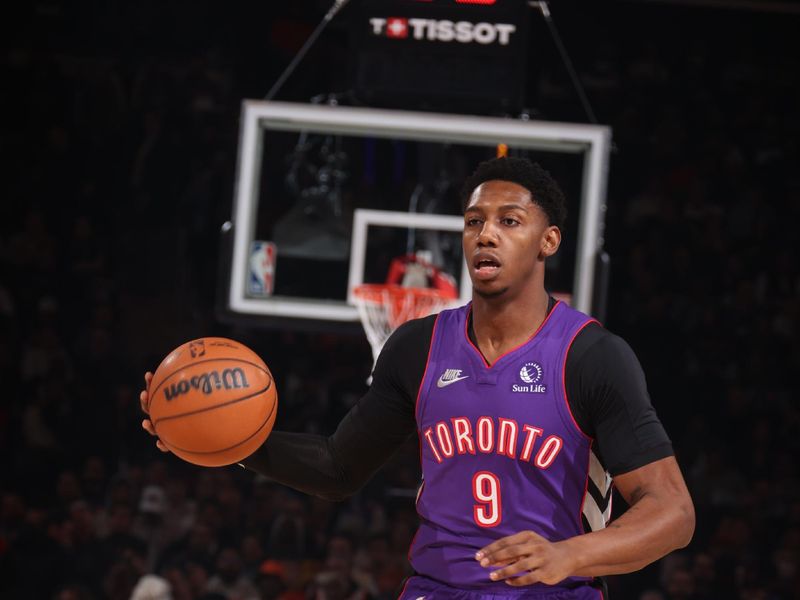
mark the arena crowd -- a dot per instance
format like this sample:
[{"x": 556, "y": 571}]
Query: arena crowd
[{"x": 120, "y": 143}]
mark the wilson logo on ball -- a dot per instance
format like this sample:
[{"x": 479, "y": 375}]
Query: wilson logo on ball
[{"x": 208, "y": 382}]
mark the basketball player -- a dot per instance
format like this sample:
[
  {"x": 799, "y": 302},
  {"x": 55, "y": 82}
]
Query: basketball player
[{"x": 524, "y": 408}]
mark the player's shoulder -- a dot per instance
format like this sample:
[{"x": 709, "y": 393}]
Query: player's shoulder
[
  {"x": 411, "y": 335},
  {"x": 595, "y": 342}
]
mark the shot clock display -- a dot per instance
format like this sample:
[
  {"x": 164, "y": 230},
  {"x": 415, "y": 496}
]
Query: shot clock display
[{"x": 453, "y": 55}]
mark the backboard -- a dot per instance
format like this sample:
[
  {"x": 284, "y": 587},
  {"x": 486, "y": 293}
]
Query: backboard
[{"x": 319, "y": 229}]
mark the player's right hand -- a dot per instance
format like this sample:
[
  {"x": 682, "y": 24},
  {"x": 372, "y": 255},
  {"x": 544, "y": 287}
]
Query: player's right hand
[{"x": 144, "y": 400}]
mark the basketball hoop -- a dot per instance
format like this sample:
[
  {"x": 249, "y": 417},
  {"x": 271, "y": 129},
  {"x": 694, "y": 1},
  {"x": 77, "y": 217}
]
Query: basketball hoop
[{"x": 383, "y": 307}]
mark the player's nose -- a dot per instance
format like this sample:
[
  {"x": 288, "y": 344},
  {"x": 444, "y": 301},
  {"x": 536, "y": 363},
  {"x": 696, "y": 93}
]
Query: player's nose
[{"x": 488, "y": 234}]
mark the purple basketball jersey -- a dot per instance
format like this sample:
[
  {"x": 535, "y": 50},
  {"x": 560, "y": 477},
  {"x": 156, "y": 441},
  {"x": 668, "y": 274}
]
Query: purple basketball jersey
[{"x": 500, "y": 450}]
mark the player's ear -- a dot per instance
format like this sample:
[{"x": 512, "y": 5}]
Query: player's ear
[{"x": 551, "y": 240}]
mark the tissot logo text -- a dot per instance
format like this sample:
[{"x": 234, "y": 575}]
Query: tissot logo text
[
  {"x": 436, "y": 30},
  {"x": 396, "y": 27}
]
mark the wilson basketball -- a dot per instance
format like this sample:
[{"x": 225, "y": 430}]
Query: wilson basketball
[{"x": 212, "y": 401}]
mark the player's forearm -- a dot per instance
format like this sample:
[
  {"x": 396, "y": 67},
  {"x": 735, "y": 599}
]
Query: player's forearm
[
  {"x": 335, "y": 467},
  {"x": 653, "y": 526},
  {"x": 304, "y": 462}
]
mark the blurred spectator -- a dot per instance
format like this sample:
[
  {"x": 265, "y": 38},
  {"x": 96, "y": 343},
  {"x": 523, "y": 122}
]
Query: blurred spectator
[
  {"x": 288, "y": 535},
  {"x": 152, "y": 587},
  {"x": 150, "y": 525},
  {"x": 229, "y": 578}
]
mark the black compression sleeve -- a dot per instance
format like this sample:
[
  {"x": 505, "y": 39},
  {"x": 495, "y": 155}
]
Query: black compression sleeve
[
  {"x": 335, "y": 467},
  {"x": 608, "y": 396}
]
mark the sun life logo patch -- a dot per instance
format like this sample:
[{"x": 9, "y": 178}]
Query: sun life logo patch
[
  {"x": 531, "y": 375},
  {"x": 530, "y": 372}
]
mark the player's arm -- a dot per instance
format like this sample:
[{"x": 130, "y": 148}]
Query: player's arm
[
  {"x": 337, "y": 466},
  {"x": 636, "y": 450},
  {"x": 634, "y": 446},
  {"x": 660, "y": 519},
  {"x": 334, "y": 467},
  {"x": 372, "y": 431}
]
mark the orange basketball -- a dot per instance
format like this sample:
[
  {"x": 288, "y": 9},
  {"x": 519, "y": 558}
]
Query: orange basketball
[{"x": 212, "y": 401}]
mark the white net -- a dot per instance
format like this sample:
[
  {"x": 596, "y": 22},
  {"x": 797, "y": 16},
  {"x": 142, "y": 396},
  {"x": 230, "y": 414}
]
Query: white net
[{"x": 384, "y": 307}]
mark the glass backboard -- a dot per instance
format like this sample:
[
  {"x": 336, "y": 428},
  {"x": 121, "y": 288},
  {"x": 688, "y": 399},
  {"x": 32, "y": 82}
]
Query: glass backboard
[{"x": 327, "y": 195}]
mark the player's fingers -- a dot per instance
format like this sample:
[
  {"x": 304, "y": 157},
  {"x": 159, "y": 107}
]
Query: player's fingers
[
  {"x": 503, "y": 556},
  {"x": 144, "y": 396},
  {"x": 495, "y": 546},
  {"x": 147, "y": 425},
  {"x": 516, "y": 569},
  {"x": 510, "y": 540},
  {"x": 526, "y": 579}
]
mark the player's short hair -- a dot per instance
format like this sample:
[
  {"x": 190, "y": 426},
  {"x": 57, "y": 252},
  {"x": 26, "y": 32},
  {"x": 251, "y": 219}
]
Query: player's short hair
[{"x": 545, "y": 191}]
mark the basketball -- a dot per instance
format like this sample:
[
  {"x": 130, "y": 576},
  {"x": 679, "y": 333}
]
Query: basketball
[{"x": 212, "y": 401}]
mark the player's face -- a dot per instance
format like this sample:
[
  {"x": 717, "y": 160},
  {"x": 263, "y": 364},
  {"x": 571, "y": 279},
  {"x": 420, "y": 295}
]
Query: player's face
[{"x": 505, "y": 236}]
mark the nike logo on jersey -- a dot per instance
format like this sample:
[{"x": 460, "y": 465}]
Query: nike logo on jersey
[{"x": 450, "y": 376}]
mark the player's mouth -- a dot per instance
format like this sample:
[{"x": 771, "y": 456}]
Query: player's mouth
[{"x": 485, "y": 266}]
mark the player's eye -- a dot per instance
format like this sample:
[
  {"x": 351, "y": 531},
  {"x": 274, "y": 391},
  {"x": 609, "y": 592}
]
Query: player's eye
[
  {"x": 472, "y": 221},
  {"x": 509, "y": 221}
]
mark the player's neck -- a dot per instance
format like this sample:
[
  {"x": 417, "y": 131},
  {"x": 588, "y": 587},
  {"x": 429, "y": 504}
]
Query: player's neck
[{"x": 501, "y": 325}]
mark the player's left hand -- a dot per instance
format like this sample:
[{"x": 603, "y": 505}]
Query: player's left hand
[
  {"x": 144, "y": 401},
  {"x": 526, "y": 557}
]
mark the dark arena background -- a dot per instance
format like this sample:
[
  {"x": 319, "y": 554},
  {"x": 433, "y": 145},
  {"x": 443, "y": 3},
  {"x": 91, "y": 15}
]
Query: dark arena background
[{"x": 119, "y": 144}]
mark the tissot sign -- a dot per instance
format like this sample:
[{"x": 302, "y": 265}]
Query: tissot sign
[
  {"x": 443, "y": 30},
  {"x": 445, "y": 53}
]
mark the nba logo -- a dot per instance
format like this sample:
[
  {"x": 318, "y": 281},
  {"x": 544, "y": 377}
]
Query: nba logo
[{"x": 262, "y": 269}]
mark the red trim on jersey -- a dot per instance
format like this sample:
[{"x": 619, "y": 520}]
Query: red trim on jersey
[
  {"x": 585, "y": 490},
  {"x": 405, "y": 585},
  {"x": 600, "y": 593},
  {"x": 424, "y": 375},
  {"x": 497, "y": 360},
  {"x": 564, "y": 380},
  {"x": 420, "y": 445},
  {"x": 416, "y": 533},
  {"x": 419, "y": 430},
  {"x": 416, "y": 502},
  {"x": 575, "y": 423}
]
